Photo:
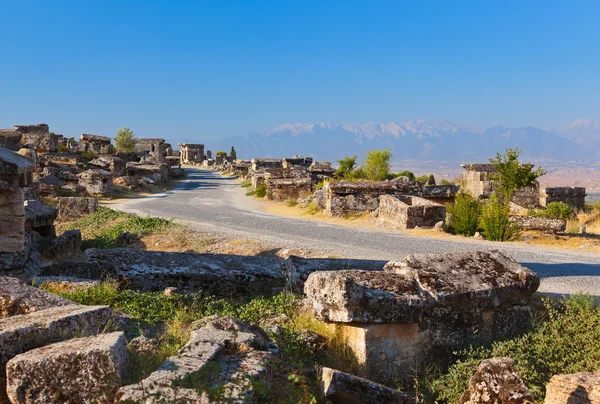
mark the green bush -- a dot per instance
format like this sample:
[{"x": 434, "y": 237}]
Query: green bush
[
  {"x": 495, "y": 221},
  {"x": 557, "y": 210},
  {"x": 221, "y": 153},
  {"x": 464, "y": 214},
  {"x": 88, "y": 155},
  {"x": 376, "y": 165},
  {"x": 347, "y": 166},
  {"x": 125, "y": 140},
  {"x": 568, "y": 341},
  {"x": 261, "y": 191},
  {"x": 246, "y": 184}
]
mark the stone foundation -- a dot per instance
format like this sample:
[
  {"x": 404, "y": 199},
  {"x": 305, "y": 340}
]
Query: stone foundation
[{"x": 287, "y": 189}]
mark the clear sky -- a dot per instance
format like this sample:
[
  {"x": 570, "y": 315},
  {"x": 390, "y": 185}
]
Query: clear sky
[{"x": 223, "y": 68}]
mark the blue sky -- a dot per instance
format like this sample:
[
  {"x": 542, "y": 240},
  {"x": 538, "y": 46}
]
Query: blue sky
[{"x": 221, "y": 68}]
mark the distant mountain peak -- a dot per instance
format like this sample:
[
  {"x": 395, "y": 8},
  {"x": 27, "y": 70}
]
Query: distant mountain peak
[{"x": 583, "y": 124}]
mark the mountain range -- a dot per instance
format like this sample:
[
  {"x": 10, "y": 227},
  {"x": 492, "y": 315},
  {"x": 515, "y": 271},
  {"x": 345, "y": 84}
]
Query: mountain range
[{"x": 425, "y": 140}]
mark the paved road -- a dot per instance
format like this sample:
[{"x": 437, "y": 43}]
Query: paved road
[{"x": 208, "y": 201}]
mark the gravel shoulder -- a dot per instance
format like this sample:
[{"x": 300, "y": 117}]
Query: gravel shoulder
[{"x": 209, "y": 202}]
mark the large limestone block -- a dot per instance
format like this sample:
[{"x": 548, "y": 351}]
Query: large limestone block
[
  {"x": 22, "y": 333},
  {"x": 222, "y": 275},
  {"x": 11, "y": 203},
  {"x": 340, "y": 388},
  {"x": 497, "y": 381},
  {"x": 486, "y": 279},
  {"x": 297, "y": 269},
  {"x": 82, "y": 370},
  {"x": 226, "y": 360},
  {"x": 74, "y": 208},
  {"x": 575, "y": 388},
  {"x": 16, "y": 297}
]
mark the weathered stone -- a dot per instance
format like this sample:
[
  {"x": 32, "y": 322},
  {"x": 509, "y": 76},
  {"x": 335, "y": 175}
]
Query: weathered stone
[
  {"x": 287, "y": 189},
  {"x": 477, "y": 179},
  {"x": 259, "y": 164},
  {"x": 63, "y": 159},
  {"x": 73, "y": 208},
  {"x": 94, "y": 143},
  {"x": 213, "y": 357},
  {"x": 546, "y": 224},
  {"x": 64, "y": 246},
  {"x": 39, "y": 137},
  {"x": 81, "y": 370},
  {"x": 143, "y": 345},
  {"x": 171, "y": 291},
  {"x": 12, "y": 221},
  {"x": 65, "y": 283},
  {"x": 341, "y": 388},
  {"x": 483, "y": 279},
  {"x": 321, "y": 170},
  {"x": 10, "y": 139},
  {"x": 222, "y": 275},
  {"x": 497, "y": 381},
  {"x": 110, "y": 163},
  {"x": 408, "y": 212},
  {"x": 297, "y": 269},
  {"x": 346, "y": 197},
  {"x": 50, "y": 184},
  {"x": 574, "y": 197},
  {"x": 152, "y": 146},
  {"x": 575, "y": 388},
  {"x": 22, "y": 333},
  {"x": 16, "y": 297},
  {"x": 160, "y": 172},
  {"x": 80, "y": 269},
  {"x": 40, "y": 218},
  {"x": 97, "y": 182},
  {"x": 296, "y": 162},
  {"x": 175, "y": 172},
  {"x": 191, "y": 153}
]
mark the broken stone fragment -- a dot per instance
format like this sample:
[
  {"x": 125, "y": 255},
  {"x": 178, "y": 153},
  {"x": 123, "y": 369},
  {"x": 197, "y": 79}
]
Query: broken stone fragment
[
  {"x": 497, "y": 381},
  {"x": 64, "y": 246},
  {"x": 81, "y": 370},
  {"x": 214, "y": 362},
  {"x": 340, "y": 388},
  {"x": 221, "y": 275},
  {"x": 73, "y": 208},
  {"x": 575, "y": 388}
]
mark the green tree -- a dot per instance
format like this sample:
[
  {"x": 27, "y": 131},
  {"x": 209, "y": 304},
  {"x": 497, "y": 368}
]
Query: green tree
[
  {"x": 347, "y": 166},
  {"x": 431, "y": 180},
  {"x": 376, "y": 165},
  {"x": 221, "y": 153},
  {"x": 464, "y": 214},
  {"x": 511, "y": 174},
  {"x": 125, "y": 140},
  {"x": 233, "y": 154},
  {"x": 495, "y": 220}
]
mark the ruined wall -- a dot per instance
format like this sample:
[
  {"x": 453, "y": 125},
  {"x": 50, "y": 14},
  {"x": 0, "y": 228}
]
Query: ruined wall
[
  {"x": 296, "y": 162},
  {"x": 285, "y": 189},
  {"x": 97, "y": 144},
  {"x": 10, "y": 139},
  {"x": 546, "y": 224},
  {"x": 574, "y": 197},
  {"x": 261, "y": 164},
  {"x": 528, "y": 197},
  {"x": 346, "y": 197},
  {"x": 191, "y": 153},
  {"x": 408, "y": 212}
]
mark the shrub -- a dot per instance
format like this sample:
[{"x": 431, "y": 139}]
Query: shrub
[
  {"x": 88, "y": 155},
  {"x": 246, "y": 184},
  {"x": 465, "y": 214},
  {"x": 559, "y": 210},
  {"x": 347, "y": 166},
  {"x": 567, "y": 342},
  {"x": 495, "y": 221},
  {"x": 221, "y": 153},
  {"x": 125, "y": 140},
  {"x": 376, "y": 166},
  {"x": 312, "y": 208},
  {"x": 233, "y": 154},
  {"x": 431, "y": 180},
  {"x": 512, "y": 174},
  {"x": 261, "y": 191},
  {"x": 291, "y": 203}
]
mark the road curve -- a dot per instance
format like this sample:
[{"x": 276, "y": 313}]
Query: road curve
[{"x": 209, "y": 201}]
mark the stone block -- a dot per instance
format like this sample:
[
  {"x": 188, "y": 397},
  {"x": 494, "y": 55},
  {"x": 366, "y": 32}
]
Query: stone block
[
  {"x": 341, "y": 388},
  {"x": 288, "y": 189},
  {"x": 497, "y": 381},
  {"x": 66, "y": 245},
  {"x": 81, "y": 370},
  {"x": 214, "y": 274},
  {"x": 408, "y": 212},
  {"x": 97, "y": 182},
  {"x": 40, "y": 218},
  {"x": 21, "y": 333},
  {"x": 575, "y": 388},
  {"x": 73, "y": 208},
  {"x": 545, "y": 224},
  {"x": 297, "y": 269},
  {"x": 16, "y": 298}
]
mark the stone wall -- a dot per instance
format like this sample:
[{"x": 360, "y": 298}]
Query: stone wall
[
  {"x": 286, "y": 189},
  {"x": 262, "y": 163},
  {"x": 97, "y": 182},
  {"x": 296, "y": 162},
  {"x": 96, "y": 144},
  {"x": 346, "y": 197},
  {"x": 574, "y": 197},
  {"x": 191, "y": 153},
  {"x": 408, "y": 212},
  {"x": 10, "y": 139},
  {"x": 528, "y": 197}
]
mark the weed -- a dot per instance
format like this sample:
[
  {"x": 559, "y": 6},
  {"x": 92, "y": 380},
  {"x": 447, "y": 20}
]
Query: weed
[
  {"x": 291, "y": 203},
  {"x": 464, "y": 214},
  {"x": 261, "y": 191},
  {"x": 252, "y": 192},
  {"x": 246, "y": 184},
  {"x": 312, "y": 208}
]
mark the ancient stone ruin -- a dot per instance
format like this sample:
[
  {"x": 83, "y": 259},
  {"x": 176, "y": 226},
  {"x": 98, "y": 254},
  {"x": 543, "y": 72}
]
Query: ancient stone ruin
[
  {"x": 408, "y": 212},
  {"x": 96, "y": 144},
  {"x": 426, "y": 304},
  {"x": 191, "y": 153}
]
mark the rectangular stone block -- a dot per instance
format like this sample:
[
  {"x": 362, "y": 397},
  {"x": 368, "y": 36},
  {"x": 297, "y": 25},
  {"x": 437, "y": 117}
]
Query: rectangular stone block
[
  {"x": 408, "y": 212},
  {"x": 81, "y": 370}
]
